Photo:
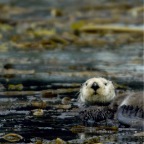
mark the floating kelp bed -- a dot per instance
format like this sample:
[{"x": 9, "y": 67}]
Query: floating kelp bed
[{"x": 48, "y": 49}]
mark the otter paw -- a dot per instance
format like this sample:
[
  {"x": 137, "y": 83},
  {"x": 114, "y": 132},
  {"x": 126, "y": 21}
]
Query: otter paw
[{"x": 95, "y": 115}]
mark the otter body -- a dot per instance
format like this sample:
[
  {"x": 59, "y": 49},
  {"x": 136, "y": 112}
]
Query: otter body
[{"x": 99, "y": 92}]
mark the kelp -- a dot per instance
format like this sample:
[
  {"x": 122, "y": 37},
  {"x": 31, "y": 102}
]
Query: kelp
[
  {"x": 111, "y": 28},
  {"x": 12, "y": 137}
]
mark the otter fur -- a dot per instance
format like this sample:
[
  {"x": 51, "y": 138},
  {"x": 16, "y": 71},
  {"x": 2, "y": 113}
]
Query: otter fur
[{"x": 100, "y": 93}]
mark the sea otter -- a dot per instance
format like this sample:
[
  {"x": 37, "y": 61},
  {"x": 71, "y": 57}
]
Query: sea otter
[{"x": 99, "y": 101}]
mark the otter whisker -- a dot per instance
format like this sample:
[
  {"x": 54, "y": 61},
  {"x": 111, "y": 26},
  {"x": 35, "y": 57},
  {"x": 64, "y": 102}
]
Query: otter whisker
[{"x": 77, "y": 93}]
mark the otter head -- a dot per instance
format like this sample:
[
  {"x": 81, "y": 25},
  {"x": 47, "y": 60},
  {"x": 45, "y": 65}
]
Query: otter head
[{"x": 97, "y": 91}]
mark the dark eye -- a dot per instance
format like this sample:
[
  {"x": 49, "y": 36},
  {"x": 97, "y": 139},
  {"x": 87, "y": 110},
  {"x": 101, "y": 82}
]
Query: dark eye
[
  {"x": 105, "y": 84},
  {"x": 86, "y": 84}
]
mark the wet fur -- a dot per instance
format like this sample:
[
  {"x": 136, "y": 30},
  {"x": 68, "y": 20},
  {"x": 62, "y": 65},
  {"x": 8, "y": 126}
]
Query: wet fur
[
  {"x": 94, "y": 114},
  {"x": 131, "y": 116},
  {"x": 131, "y": 110}
]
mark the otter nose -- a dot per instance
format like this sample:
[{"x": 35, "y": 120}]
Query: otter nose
[{"x": 95, "y": 86}]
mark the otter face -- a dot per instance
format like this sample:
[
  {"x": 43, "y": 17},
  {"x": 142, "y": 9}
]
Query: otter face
[{"x": 97, "y": 90}]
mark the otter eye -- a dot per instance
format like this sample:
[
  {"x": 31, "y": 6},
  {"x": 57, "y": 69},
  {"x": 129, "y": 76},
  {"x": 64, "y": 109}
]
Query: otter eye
[
  {"x": 105, "y": 84},
  {"x": 81, "y": 84}
]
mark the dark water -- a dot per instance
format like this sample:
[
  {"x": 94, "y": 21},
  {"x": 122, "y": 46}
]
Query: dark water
[{"x": 27, "y": 73}]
